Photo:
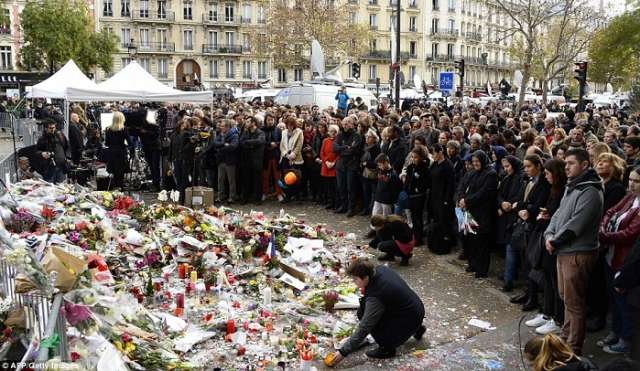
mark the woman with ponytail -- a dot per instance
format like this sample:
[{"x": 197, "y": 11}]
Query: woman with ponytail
[{"x": 551, "y": 353}]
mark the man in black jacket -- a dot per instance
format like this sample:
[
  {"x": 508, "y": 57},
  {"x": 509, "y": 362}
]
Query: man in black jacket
[
  {"x": 396, "y": 149},
  {"x": 252, "y": 143},
  {"x": 53, "y": 147},
  {"x": 150, "y": 138},
  {"x": 348, "y": 146}
]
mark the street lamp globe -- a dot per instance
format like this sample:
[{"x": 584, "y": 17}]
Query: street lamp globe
[{"x": 132, "y": 50}]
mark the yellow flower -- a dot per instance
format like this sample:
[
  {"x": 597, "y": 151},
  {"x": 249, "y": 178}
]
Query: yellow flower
[{"x": 118, "y": 345}]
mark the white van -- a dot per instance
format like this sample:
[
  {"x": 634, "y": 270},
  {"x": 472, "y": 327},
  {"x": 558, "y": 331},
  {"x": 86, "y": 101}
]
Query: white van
[
  {"x": 261, "y": 95},
  {"x": 321, "y": 95}
]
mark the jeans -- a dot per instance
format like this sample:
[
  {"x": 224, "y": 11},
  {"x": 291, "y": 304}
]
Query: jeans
[
  {"x": 346, "y": 188},
  {"x": 227, "y": 175},
  {"x": 55, "y": 175},
  {"x": 553, "y": 306},
  {"x": 368, "y": 190},
  {"x": 511, "y": 263},
  {"x": 621, "y": 316}
]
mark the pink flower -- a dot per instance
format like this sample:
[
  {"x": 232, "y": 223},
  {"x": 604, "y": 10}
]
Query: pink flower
[{"x": 76, "y": 313}]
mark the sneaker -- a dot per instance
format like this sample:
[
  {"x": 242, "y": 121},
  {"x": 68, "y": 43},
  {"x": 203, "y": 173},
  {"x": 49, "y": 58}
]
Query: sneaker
[
  {"x": 381, "y": 353},
  {"x": 548, "y": 328},
  {"x": 537, "y": 321},
  {"x": 610, "y": 339},
  {"x": 621, "y": 347}
]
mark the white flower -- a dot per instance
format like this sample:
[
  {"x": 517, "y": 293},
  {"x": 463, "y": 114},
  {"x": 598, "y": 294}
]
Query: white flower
[
  {"x": 162, "y": 196},
  {"x": 175, "y": 196}
]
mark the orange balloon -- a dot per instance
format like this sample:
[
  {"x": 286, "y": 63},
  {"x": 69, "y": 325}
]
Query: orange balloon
[{"x": 290, "y": 178}]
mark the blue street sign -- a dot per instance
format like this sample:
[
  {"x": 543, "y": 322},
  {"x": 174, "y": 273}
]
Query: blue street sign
[{"x": 446, "y": 81}]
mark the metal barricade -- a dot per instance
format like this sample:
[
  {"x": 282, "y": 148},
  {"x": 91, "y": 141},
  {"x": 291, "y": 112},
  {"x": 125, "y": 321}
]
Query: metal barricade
[{"x": 43, "y": 316}]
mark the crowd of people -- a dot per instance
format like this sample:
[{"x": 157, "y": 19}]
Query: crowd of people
[{"x": 555, "y": 192}]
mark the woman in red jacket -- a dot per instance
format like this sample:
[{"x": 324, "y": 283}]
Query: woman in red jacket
[
  {"x": 327, "y": 167},
  {"x": 619, "y": 230}
]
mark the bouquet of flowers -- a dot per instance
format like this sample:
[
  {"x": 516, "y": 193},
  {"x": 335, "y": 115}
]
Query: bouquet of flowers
[
  {"x": 25, "y": 262},
  {"x": 23, "y": 221},
  {"x": 466, "y": 222}
]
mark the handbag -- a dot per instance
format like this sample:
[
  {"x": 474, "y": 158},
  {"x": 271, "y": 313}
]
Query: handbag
[
  {"x": 520, "y": 234},
  {"x": 535, "y": 249},
  {"x": 369, "y": 174}
]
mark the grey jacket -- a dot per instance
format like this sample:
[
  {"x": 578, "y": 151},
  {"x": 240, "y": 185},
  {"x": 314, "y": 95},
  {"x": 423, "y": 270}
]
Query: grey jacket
[{"x": 574, "y": 226}]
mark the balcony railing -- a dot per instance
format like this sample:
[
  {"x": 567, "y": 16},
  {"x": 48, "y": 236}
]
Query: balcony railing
[
  {"x": 441, "y": 58},
  {"x": 209, "y": 19},
  {"x": 352, "y": 1},
  {"x": 262, "y": 21},
  {"x": 413, "y": 5},
  {"x": 412, "y": 29},
  {"x": 475, "y": 36},
  {"x": 373, "y": 27},
  {"x": 262, "y": 75},
  {"x": 152, "y": 16},
  {"x": 373, "y": 2},
  {"x": 166, "y": 47},
  {"x": 386, "y": 54},
  {"x": 444, "y": 33},
  {"x": 245, "y": 20},
  {"x": 223, "y": 49}
]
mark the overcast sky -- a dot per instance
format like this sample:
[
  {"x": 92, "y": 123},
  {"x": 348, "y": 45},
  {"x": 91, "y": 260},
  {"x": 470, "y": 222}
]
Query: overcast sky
[{"x": 612, "y": 7}]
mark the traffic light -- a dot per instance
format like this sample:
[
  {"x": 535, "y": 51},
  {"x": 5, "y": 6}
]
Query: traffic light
[
  {"x": 460, "y": 67},
  {"x": 581, "y": 72},
  {"x": 355, "y": 70}
]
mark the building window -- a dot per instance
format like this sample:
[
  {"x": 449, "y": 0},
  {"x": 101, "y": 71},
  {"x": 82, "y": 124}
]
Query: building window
[
  {"x": 125, "y": 36},
  {"x": 373, "y": 21},
  {"x": 246, "y": 13},
  {"x": 450, "y": 51},
  {"x": 246, "y": 42},
  {"x": 125, "y": 62},
  {"x": 413, "y": 48},
  {"x": 434, "y": 49},
  {"x": 162, "y": 9},
  {"x": 435, "y": 25},
  {"x": 452, "y": 25},
  {"x": 212, "y": 39},
  {"x": 373, "y": 71},
  {"x": 231, "y": 69},
  {"x": 373, "y": 45},
  {"x": 230, "y": 37},
  {"x": 187, "y": 10},
  {"x": 262, "y": 70},
  {"x": 246, "y": 70},
  {"x": 5, "y": 58},
  {"x": 213, "y": 12},
  {"x": 282, "y": 75},
  {"x": 298, "y": 74},
  {"x": 125, "y": 8},
  {"x": 435, "y": 4},
  {"x": 107, "y": 8},
  {"x": 412, "y": 24},
  {"x": 412, "y": 73},
  {"x": 353, "y": 17},
  {"x": 163, "y": 67},
  {"x": 144, "y": 38},
  {"x": 228, "y": 13},
  {"x": 452, "y": 5},
  {"x": 144, "y": 8},
  {"x": 162, "y": 38},
  {"x": 187, "y": 40},
  {"x": 144, "y": 62},
  {"x": 262, "y": 19},
  {"x": 213, "y": 69}
]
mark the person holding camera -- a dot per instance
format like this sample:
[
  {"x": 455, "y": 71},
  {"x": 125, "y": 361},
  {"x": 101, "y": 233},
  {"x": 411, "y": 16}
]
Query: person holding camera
[{"x": 53, "y": 147}]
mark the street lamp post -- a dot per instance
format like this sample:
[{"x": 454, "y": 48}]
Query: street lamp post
[{"x": 132, "y": 50}]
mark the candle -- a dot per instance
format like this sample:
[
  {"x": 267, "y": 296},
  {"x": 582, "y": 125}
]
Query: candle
[
  {"x": 231, "y": 326},
  {"x": 180, "y": 300},
  {"x": 194, "y": 277},
  {"x": 182, "y": 271}
]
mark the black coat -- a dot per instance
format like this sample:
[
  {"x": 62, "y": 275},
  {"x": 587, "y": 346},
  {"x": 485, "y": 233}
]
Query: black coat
[
  {"x": 272, "y": 134},
  {"x": 150, "y": 137},
  {"x": 369, "y": 157},
  {"x": 76, "y": 142},
  {"x": 418, "y": 180},
  {"x": 397, "y": 153},
  {"x": 614, "y": 191},
  {"x": 509, "y": 190},
  {"x": 442, "y": 187},
  {"x": 117, "y": 160},
  {"x": 393, "y": 231},
  {"x": 348, "y": 146},
  {"x": 252, "y": 147},
  {"x": 388, "y": 187},
  {"x": 538, "y": 197},
  {"x": 481, "y": 194}
]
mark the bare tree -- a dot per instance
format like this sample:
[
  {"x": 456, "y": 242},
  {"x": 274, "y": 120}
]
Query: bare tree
[
  {"x": 528, "y": 21},
  {"x": 292, "y": 25}
]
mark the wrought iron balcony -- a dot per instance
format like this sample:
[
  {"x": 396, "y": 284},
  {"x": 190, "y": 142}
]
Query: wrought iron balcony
[
  {"x": 445, "y": 34},
  {"x": 222, "y": 49},
  {"x": 210, "y": 19},
  {"x": 474, "y": 36},
  {"x": 386, "y": 55},
  {"x": 150, "y": 47},
  {"x": 143, "y": 15}
]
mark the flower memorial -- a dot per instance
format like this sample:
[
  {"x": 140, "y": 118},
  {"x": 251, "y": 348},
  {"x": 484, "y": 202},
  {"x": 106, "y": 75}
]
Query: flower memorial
[{"x": 165, "y": 287}]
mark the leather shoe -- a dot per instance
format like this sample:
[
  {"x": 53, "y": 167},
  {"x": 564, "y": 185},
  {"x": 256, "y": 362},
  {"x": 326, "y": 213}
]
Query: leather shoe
[
  {"x": 419, "y": 333},
  {"x": 469, "y": 269},
  {"x": 530, "y": 305},
  {"x": 519, "y": 299},
  {"x": 340, "y": 211},
  {"x": 381, "y": 353},
  {"x": 508, "y": 287},
  {"x": 351, "y": 214}
]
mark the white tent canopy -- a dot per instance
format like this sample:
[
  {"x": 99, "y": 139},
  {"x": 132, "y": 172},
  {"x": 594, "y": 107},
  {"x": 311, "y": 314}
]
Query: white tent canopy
[
  {"x": 134, "y": 83},
  {"x": 56, "y": 85}
]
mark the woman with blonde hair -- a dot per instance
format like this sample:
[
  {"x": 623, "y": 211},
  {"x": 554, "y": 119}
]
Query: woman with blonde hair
[
  {"x": 550, "y": 353},
  {"x": 595, "y": 150},
  {"x": 116, "y": 142},
  {"x": 559, "y": 138},
  {"x": 541, "y": 142}
]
